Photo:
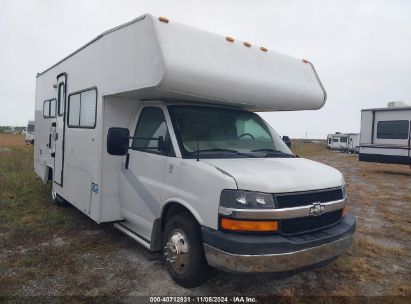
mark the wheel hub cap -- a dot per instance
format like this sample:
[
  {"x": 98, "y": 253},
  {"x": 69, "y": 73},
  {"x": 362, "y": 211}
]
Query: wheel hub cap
[{"x": 176, "y": 251}]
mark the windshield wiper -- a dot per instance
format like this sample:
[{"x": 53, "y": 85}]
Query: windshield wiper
[
  {"x": 222, "y": 150},
  {"x": 273, "y": 152}
]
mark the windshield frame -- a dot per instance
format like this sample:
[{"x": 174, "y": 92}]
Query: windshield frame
[{"x": 222, "y": 155}]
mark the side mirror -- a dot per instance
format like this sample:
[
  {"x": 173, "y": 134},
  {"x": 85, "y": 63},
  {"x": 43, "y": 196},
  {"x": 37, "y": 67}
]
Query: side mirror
[
  {"x": 117, "y": 141},
  {"x": 287, "y": 141}
]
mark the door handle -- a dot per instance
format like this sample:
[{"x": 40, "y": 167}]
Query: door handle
[
  {"x": 53, "y": 154},
  {"x": 127, "y": 160},
  {"x": 53, "y": 124}
]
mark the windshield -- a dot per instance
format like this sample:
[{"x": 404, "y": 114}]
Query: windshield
[{"x": 213, "y": 132}]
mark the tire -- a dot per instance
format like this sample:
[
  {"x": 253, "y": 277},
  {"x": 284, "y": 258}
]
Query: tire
[{"x": 187, "y": 263}]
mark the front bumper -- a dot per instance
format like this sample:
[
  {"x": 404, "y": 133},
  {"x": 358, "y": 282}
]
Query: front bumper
[{"x": 275, "y": 253}]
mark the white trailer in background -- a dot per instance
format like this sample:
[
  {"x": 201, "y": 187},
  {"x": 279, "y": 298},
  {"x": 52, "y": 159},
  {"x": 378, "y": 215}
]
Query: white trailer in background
[
  {"x": 30, "y": 130},
  {"x": 337, "y": 141},
  {"x": 385, "y": 135},
  {"x": 353, "y": 143},
  {"x": 347, "y": 142},
  {"x": 198, "y": 177}
]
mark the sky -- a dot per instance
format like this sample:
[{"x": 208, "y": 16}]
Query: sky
[{"x": 361, "y": 49}]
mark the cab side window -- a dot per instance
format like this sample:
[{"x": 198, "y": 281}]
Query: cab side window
[{"x": 151, "y": 125}]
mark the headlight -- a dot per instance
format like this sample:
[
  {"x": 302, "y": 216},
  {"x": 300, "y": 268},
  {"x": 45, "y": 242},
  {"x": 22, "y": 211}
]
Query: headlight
[{"x": 238, "y": 199}]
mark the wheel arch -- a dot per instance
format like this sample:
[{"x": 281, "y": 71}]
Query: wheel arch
[{"x": 169, "y": 208}]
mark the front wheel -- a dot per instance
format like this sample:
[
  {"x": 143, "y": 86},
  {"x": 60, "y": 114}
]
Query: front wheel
[{"x": 183, "y": 251}]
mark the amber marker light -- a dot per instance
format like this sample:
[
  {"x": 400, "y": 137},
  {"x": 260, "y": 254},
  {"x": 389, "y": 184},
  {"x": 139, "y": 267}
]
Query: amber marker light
[
  {"x": 247, "y": 44},
  {"x": 163, "y": 19},
  {"x": 306, "y": 61},
  {"x": 230, "y": 39},
  {"x": 249, "y": 226},
  {"x": 264, "y": 49}
]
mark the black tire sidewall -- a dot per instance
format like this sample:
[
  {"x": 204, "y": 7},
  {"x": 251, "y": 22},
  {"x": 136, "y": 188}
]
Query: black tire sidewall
[{"x": 198, "y": 269}]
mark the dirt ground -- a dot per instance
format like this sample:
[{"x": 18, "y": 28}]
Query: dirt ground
[
  {"x": 11, "y": 140},
  {"x": 54, "y": 251}
]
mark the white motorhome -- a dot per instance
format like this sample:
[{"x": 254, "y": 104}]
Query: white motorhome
[
  {"x": 348, "y": 142},
  {"x": 386, "y": 134},
  {"x": 337, "y": 141},
  {"x": 202, "y": 177},
  {"x": 30, "y": 132}
]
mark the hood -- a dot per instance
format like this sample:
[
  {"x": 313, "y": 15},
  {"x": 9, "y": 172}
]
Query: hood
[{"x": 277, "y": 175}]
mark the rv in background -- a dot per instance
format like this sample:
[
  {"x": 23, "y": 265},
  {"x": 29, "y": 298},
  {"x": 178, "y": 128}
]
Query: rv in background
[
  {"x": 142, "y": 127},
  {"x": 30, "y": 132},
  {"x": 385, "y": 134},
  {"x": 347, "y": 142},
  {"x": 353, "y": 143}
]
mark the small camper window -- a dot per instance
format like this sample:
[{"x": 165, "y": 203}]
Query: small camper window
[
  {"x": 393, "y": 129},
  {"x": 343, "y": 139},
  {"x": 49, "y": 108},
  {"x": 46, "y": 109},
  {"x": 53, "y": 108},
  {"x": 335, "y": 139},
  {"x": 82, "y": 108}
]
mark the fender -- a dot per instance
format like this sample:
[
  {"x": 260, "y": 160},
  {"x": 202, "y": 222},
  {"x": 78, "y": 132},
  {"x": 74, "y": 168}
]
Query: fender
[{"x": 183, "y": 203}]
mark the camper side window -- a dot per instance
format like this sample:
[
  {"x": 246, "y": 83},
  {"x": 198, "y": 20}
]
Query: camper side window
[
  {"x": 46, "y": 109},
  {"x": 393, "y": 129},
  {"x": 82, "y": 109},
  {"x": 53, "y": 108},
  {"x": 49, "y": 108}
]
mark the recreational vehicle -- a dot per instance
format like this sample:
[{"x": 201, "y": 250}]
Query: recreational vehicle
[
  {"x": 337, "y": 141},
  {"x": 353, "y": 143},
  {"x": 385, "y": 135},
  {"x": 30, "y": 132},
  {"x": 152, "y": 126},
  {"x": 347, "y": 142}
]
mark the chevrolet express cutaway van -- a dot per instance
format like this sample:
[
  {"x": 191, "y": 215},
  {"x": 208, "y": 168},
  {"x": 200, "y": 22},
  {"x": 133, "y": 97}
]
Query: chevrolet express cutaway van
[{"x": 153, "y": 126}]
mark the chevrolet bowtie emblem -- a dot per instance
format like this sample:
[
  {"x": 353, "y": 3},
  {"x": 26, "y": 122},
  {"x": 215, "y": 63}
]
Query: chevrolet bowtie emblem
[{"x": 317, "y": 209}]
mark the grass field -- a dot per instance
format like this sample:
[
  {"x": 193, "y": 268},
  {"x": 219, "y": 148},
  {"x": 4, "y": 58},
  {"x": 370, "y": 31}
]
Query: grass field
[{"x": 49, "y": 250}]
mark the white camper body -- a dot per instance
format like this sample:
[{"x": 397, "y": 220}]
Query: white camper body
[
  {"x": 337, "y": 141},
  {"x": 353, "y": 144},
  {"x": 385, "y": 135},
  {"x": 30, "y": 132},
  {"x": 347, "y": 142},
  {"x": 134, "y": 79}
]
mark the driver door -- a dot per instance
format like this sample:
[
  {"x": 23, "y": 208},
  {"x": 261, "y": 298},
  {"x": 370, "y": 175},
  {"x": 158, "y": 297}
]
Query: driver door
[{"x": 142, "y": 177}]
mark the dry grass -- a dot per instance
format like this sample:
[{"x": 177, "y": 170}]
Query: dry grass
[{"x": 11, "y": 140}]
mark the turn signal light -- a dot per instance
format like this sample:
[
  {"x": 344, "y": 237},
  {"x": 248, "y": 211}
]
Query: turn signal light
[
  {"x": 247, "y": 44},
  {"x": 306, "y": 61},
  {"x": 253, "y": 226},
  {"x": 230, "y": 39},
  {"x": 264, "y": 49}
]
